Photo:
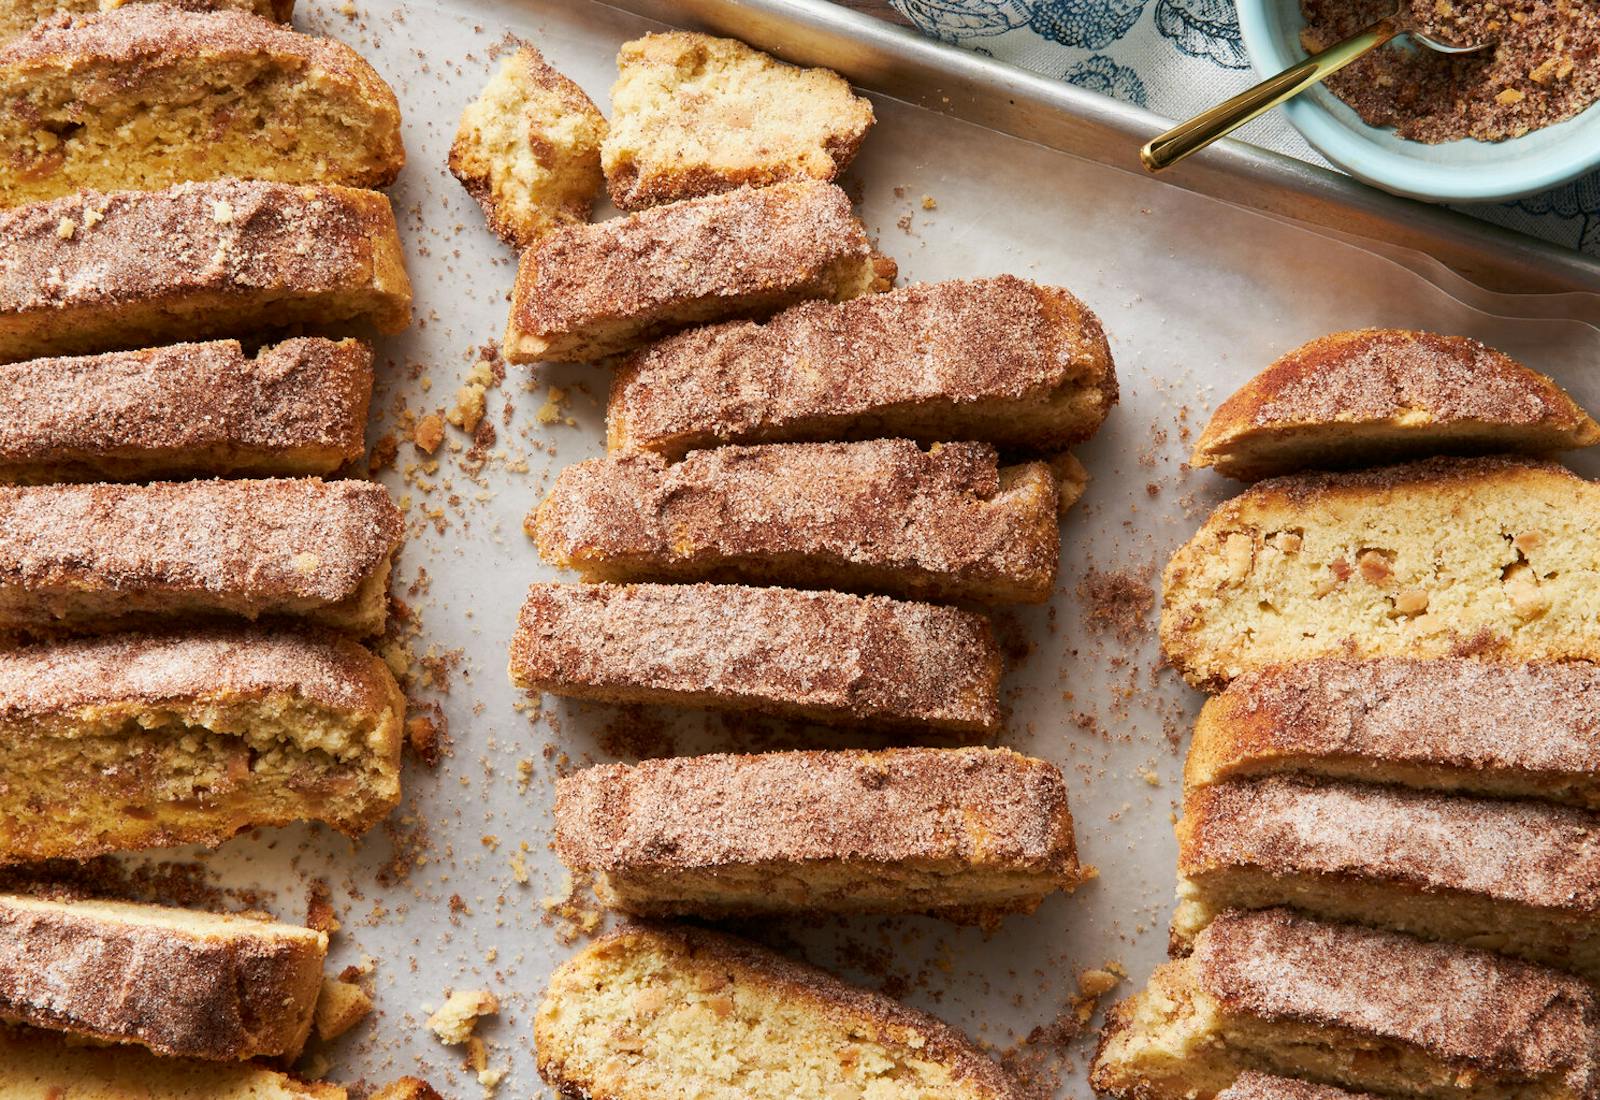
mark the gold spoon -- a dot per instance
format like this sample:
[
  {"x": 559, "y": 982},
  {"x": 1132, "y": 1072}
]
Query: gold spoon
[{"x": 1192, "y": 136}]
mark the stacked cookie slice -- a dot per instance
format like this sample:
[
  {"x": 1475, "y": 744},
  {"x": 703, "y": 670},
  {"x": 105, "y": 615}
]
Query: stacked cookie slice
[
  {"x": 814, "y": 484},
  {"x": 1389, "y": 859},
  {"x": 190, "y": 270}
]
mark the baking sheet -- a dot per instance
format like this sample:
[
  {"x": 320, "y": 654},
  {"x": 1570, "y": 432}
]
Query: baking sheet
[{"x": 1196, "y": 295}]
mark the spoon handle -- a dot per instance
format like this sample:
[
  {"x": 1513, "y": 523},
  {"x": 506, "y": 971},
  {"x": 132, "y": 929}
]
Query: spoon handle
[{"x": 1192, "y": 136}]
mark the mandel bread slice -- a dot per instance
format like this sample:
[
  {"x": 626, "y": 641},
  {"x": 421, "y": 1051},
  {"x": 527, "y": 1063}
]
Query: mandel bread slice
[
  {"x": 528, "y": 149},
  {"x": 817, "y": 656},
  {"x": 654, "y": 1012},
  {"x": 39, "y": 1066},
  {"x": 1521, "y": 729},
  {"x": 1485, "y": 557},
  {"x": 1354, "y": 1007},
  {"x": 137, "y": 741},
  {"x": 103, "y": 271},
  {"x": 1372, "y": 396},
  {"x": 693, "y": 115},
  {"x": 144, "y": 96},
  {"x": 969, "y": 834},
  {"x": 586, "y": 292},
  {"x": 102, "y": 556},
  {"x": 1023, "y": 366},
  {"x": 1518, "y": 876},
  {"x": 295, "y": 408},
  {"x": 182, "y": 982},
  {"x": 946, "y": 523}
]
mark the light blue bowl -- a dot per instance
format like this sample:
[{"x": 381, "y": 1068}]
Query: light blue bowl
[{"x": 1457, "y": 171}]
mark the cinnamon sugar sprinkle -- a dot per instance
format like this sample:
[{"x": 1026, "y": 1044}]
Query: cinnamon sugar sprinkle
[{"x": 1544, "y": 67}]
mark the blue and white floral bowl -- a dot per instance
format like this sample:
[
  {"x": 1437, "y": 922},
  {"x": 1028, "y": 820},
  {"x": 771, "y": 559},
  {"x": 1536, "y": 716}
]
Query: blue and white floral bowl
[{"x": 1457, "y": 171}]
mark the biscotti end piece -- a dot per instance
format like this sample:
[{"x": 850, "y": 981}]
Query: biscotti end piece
[
  {"x": 589, "y": 291},
  {"x": 188, "y": 984},
  {"x": 100, "y": 271},
  {"x": 104, "y": 556},
  {"x": 694, "y": 115},
  {"x": 818, "y": 656},
  {"x": 1517, "y": 876},
  {"x": 969, "y": 834},
  {"x": 1482, "y": 557},
  {"x": 37, "y": 1066},
  {"x": 1002, "y": 360},
  {"x": 144, "y": 741},
  {"x": 144, "y": 96},
  {"x": 655, "y": 1011},
  {"x": 528, "y": 149},
  {"x": 1265, "y": 1086},
  {"x": 1383, "y": 395},
  {"x": 946, "y": 523},
  {"x": 1283, "y": 994},
  {"x": 296, "y": 408},
  {"x": 1509, "y": 730}
]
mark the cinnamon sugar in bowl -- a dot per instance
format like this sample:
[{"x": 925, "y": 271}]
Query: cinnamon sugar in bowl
[{"x": 1515, "y": 119}]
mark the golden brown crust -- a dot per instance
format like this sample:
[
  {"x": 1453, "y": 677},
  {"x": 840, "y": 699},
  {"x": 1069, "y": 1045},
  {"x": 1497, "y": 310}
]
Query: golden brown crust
[
  {"x": 1002, "y": 360},
  {"x": 37, "y": 1066},
  {"x": 822, "y": 656},
  {"x": 1381, "y": 395},
  {"x": 695, "y": 115},
  {"x": 95, "y": 557},
  {"x": 1504, "y": 1018},
  {"x": 226, "y": 989},
  {"x": 883, "y": 515},
  {"x": 589, "y": 291},
  {"x": 1445, "y": 557},
  {"x": 783, "y": 819},
  {"x": 299, "y": 407},
  {"x": 1528, "y": 729},
  {"x": 1511, "y": 852},
  {"x": 867, "y": 1023},
  {"x": 97, "y": 272},
  {"x": 140, "y": 86},
  {"x": 142, "y": 741},
  {"x": 528, "y": 150}
]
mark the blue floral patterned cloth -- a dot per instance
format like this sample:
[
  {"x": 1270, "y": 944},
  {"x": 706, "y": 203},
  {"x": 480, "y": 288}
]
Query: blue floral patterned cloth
[{"x": 1177, "y": 57}]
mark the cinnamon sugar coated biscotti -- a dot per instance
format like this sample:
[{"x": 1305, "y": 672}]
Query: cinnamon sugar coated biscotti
[
  {"x": 1002, "y": 360},
  {"x": 134, "y": 741},
  {"x": 1381, "y": 395},
  {"x": 970, "y": 834},
  {"x": 17, "y": 16},
  {"x": 1518, "y": 876},
  {"x": 1487, "y": 557},
  {"x": 35, "y": 1066},
  {"x": 947, "y": 523},
  {"x": 1362, "y": 1009},
  {"x": 299, "y": 407},
  {"x": 693, "y": 115},
  {"x": 821, "y": 656},
  {"x": 144, "y": 96},
  {"x": 129, "y": 269},
  {"x": 650, "y": 1012},
  {"x": 96, "y": 557},
  {"x": 182, "y": 982},
  {"x": 1251, "y": 1085},
  {"x": 528, "y": 149},
  {"x": 589, "y": 291},
  {"x": 1520, "y": 729}
]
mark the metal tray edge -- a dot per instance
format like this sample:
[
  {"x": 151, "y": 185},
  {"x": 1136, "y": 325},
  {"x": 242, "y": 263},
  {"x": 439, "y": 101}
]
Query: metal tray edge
[{"x": 899, "y": 62}]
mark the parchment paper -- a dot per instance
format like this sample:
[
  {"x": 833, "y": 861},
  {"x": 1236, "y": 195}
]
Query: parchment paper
[{"x": 1196, "y": 297}]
